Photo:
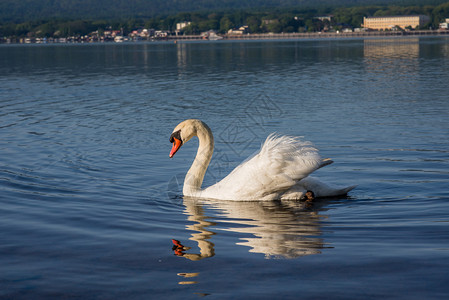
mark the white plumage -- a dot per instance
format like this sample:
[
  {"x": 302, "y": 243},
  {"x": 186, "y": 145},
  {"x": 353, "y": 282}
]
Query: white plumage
[{"x": 278, "y": 171}]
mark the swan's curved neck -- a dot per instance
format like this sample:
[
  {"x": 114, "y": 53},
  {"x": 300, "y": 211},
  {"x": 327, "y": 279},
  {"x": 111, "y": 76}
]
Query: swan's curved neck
[{"x": 195, "y": 175}]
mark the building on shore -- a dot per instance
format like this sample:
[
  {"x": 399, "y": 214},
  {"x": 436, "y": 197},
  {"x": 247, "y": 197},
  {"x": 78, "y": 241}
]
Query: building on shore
[
  {"x": 445, "y": 24},
  {"x": 391, "y": 22},
  {"x": 241, "y": 30},
  {"x": 180, "y": 26},
  {"x": 325, "y": 18}
]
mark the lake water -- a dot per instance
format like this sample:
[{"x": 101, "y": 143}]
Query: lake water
[{"x": 90, "y": 201}]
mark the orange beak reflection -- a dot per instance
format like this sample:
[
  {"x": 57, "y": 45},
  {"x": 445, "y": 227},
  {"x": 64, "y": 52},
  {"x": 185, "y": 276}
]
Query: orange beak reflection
[{"x": 176, "y": 145}]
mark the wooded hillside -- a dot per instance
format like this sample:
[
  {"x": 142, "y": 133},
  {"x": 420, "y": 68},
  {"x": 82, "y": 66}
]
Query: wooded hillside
[{"x": 17, "y": 11}]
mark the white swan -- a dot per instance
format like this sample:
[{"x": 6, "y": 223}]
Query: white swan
[{"x": 279, "y": 171}]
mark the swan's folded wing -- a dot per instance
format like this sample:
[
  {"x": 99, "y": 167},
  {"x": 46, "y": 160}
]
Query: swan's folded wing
[{"x": 281, "y": 162}]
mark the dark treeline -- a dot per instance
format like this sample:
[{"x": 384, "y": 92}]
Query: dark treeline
[
  {"x": 274, "y": 20},
  {"x": 18, "y": 11}
]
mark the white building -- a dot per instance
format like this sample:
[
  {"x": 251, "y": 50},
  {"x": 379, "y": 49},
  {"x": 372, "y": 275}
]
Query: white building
[
  {"x": 445, "y": 25},
  {"x": 240, "y": 31},
  {"x": 182, "y": 25},
  {"x": 390, "y": 22}
]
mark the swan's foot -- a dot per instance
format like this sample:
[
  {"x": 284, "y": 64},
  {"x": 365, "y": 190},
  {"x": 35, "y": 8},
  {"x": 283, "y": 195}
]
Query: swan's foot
[{"x": 309, "y": 196}]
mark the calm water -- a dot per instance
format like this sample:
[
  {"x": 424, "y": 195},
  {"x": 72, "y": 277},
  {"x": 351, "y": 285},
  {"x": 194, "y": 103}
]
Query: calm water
[{"x": 89, "y": 200}]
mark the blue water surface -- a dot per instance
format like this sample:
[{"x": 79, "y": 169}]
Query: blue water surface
[{"x": 90, "y": 201}]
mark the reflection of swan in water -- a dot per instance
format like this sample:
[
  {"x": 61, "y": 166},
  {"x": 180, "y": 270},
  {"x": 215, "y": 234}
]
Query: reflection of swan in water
[
  {"x": 276, "y": 229},
  {"x": 196, "y": 214},
  {"x": 282, "y": 229}
]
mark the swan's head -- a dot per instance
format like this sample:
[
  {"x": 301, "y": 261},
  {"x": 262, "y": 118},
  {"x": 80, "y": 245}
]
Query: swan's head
[{"x": 183, "y": 133}]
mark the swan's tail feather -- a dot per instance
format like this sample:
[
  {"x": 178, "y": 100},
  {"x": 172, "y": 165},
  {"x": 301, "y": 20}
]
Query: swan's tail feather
[
  {"x": 325, "y": 162},
  {"x": 346, "y": 190}
]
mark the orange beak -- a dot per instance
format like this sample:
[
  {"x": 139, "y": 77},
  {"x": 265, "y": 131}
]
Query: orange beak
[{"x": 176, "y": 145}]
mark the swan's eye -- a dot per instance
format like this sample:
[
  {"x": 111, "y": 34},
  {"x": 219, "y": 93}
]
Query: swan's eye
[{"x": 175, "y": 135}]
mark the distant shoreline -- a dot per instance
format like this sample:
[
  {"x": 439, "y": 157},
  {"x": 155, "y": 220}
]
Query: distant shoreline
[
  {"x": 316, "y": 35},
  {"x": 245, "y": 37}
]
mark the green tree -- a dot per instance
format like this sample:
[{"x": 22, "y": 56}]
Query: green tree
[
  {"x": 439, "y": 14},
  {"x": 288, "y": 23},
  {"x": 151, "y": 23},
  {"x": 225, "y": 24},
  {"x": 192, "y": 29},
  {"x": 75, "y": 28},
  {"x": 23, "y": 29},
  {"x": 274, "y": 26},
  {"x": 7, "y": 30},
  {"x": 213, "y": 21},
  {"x": 45, "y": 30},
  {"x": 253, "y": 24}
]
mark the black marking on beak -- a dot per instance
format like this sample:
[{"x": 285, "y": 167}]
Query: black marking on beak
[{"x": 175, "y": 135}]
